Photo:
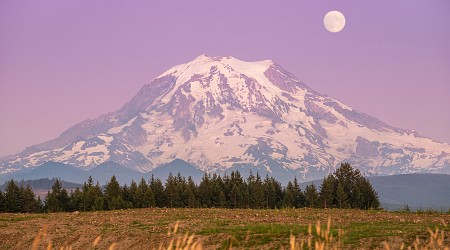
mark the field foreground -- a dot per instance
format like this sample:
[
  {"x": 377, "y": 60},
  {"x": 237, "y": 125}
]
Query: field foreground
[{"x": 219, "y": 228}]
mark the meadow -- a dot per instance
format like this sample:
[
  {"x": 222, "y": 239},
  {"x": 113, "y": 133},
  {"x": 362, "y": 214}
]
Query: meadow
[{"x": 154, "y": 228}]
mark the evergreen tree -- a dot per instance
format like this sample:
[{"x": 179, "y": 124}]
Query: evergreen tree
[
  {"x": 133, "y": 194},
  {"x": 182, "y": 188},
  {"x": 2, "y": 202},
  {"x": 191, "y": 193},
  {"x": 311, "y": 196},
  {"x": 255, "y": 191},
  {"x": 113, "y": 195},
  {"x": 204, "y": 191},
  {"x": 273, "y": 193},
  {"x": 30, "y": 203},
  {"x": 327, "y": 192},
  {"x": 145, "y": 195},
  {"x": 238, "y": 193},
  {"x": 299, "y": 197},
  {"x": 13, "y": 198},
  {"x": 369, "y": 197},
  {"x": 92, "y": 196},
  {"x": 288, "y": 197},
  {"x": 355, "y": 191},
  {"x": 341, "y": 196},
  {"x": 88, "y": 200},
  {"x": 76, "y": 200},
  {"x": 57, "y": 199},
  {"x": 126, "y": 196},
  {"x": 235, "y": 196},
  {"x": 158, "y": 191},
  {"x": 172, "y": 192}
]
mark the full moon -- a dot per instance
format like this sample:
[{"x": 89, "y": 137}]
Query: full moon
[{"x": 334, "y": 21}]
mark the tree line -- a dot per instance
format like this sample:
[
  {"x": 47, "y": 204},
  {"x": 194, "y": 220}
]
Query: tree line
[{"x": 345, "y": 188}]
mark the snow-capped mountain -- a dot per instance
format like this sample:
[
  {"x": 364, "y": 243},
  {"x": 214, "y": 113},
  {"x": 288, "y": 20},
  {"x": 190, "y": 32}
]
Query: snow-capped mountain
[{"x": 220, "y": 113}]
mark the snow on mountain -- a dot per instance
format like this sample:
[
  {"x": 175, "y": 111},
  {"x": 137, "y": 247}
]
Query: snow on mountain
[{"x": 220, "y": 113}]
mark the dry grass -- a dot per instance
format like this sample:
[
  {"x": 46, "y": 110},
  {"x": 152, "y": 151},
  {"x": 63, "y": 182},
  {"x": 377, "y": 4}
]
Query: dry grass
[
  {"x": 323, "y": 239},
  {"x": 225, "y": 229}
]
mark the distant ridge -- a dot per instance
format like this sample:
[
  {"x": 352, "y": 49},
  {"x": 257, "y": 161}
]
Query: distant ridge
[{"x": 102, "y": 173}]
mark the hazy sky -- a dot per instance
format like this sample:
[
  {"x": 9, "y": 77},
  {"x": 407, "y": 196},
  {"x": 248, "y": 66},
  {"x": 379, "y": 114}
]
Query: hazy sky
[{"x": 62, "y": 62}]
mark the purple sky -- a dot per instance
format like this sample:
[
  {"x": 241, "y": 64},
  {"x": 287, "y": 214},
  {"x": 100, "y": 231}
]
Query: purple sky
[{"x": 62, "y": 62}]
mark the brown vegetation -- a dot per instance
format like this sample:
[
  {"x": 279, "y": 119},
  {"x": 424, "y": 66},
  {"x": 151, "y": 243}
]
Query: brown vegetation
[{"x": 225, "y": 228}]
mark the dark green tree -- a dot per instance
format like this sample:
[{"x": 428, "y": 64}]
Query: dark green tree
[
  {"x": 13, "y": 198},
  {"x": 2, "y": 202},
  {"x": 30, "y": 203},
  {"x": 172, "y": 192},
  {"x": 133, "y": 194},
  {"x": 158, "y": 191},
  {"x": 288, "y": 196},
  {"x": 205, "y": 191},
  {"x": 57, "y": 199},
  {"x": 341, "y": 196},
  {"x": 299, "y": 197},
  {"x": 191, "y": 193},
  {"x": 358, "y": 191},
  {"x": 326, "y": 194},
  {"x": 311, "y": 196},
  {"x": 273, "y": 193},
  {"x": 113, "y": 195},
  {"x": 76, "y": 200},
  {"x": 255, "y": 191}
]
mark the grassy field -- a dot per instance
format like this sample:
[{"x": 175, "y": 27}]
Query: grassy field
[{"x": 218, "y": 228}]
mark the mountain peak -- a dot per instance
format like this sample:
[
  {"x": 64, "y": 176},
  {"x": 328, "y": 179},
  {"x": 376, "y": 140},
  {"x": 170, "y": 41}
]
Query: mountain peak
[{"x": 221, "y": 113}]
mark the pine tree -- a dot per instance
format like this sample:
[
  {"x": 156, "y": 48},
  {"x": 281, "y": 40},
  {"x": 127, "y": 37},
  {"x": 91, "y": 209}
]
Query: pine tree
[
  {"x": 288, "y": 197},
  {"x": 191, "y": 193},
  {"x": 172, "y": 192},
  {"x": 99, "y": 204},
  {"x": 327, "y": 192},
  {"x": 88, "y": 199},
  {"x": 181, "y": 185},
  {"x": 355, "y": 191},
  {"x": 255, "y": 191},
  {"x": 299, "y": 197},
  {"x": 235, "y": 196},
  {"x": 341, "y": 196},
  {"x": 2, "y": 202},
  {"x": 13, "y": 197},
  {"x": 57, "y": 199},
  {"x": 273, "y": 193},
  {"x": 158, "y": 191},
  {"x": 92, "y": 196},
  {"x": 30, "y": 204},
  {"x": 113, "y": 195},
  {"x": 133, "y": 194},
  {"x": 311, "y": 196},
  {"x": 204, "y": 191},
  {"x": 76, "y": 200},
  {"x": 145, "y": 195},
  {"x": 369, "y": 199}
]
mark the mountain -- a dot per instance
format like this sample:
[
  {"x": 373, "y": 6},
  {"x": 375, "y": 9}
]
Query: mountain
[
  {"x": 103, "y": 173},
  {"x": 47, "y": 170},
  {"x": 175, "y": 167},
  {"x": 221, "y": 113}
]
